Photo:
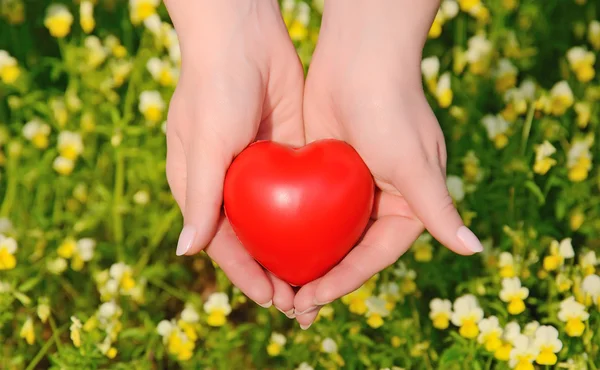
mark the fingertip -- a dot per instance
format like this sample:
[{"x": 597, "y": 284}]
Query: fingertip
[{"x": 469, "y": 240}]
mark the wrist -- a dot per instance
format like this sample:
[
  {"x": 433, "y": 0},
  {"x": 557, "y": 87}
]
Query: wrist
[
  {"x": 200, "y": 22},
  {"x": 396, "y": 26}
]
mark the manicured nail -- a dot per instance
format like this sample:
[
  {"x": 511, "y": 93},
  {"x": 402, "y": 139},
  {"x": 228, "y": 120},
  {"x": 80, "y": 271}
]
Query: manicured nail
[
  {"x": 469, "y": 240},
  {"x": 265, "y": 305},
  {"x": 186, "y": 238},
  {"x": 311, "y": 309},
  {"x": 304, "y": 327}
]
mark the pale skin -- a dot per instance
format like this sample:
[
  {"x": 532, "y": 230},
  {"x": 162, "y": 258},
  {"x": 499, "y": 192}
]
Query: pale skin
[{"x": 241, "y": 80}]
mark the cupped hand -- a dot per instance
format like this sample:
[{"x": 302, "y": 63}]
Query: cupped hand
[
  {"x": 241, "y": 81},
  {"x": 364, "y": 87}
]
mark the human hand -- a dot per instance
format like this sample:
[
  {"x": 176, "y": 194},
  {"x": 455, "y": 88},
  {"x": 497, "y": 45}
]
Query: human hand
[
  {"x": 241, "y": 81},
  {"x": 364, "y": 87}
]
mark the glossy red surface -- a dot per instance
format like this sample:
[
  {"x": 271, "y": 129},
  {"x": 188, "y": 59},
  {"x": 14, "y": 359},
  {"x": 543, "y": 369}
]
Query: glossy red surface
[{"x": 298, "y": 211}]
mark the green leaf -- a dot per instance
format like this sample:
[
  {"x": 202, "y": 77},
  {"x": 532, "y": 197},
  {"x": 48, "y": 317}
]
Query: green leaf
[{"x": 535, "y": 190}]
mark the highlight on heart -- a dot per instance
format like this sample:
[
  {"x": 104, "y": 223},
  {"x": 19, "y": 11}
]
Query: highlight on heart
[{"x": 299, "y": 184}]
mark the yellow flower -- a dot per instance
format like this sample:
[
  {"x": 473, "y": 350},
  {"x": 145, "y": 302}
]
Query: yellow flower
[
  {"x": 27, "y": 332},
  {"x": 430, "y": 68},
  {"x": 37, "y": 132},
  {"x": 547, "y": 343},
  {"x": 67, "y": 248},
  {"x": 558, "y": 253},
  {"x": 97, "y": 53},
  {"x": 480, "y": 12},
  {"x": 162, "y": 71},
  {"x": 506, "y": 75},
  {"x": 141, "y": 9},
  {"x": 443, "y": 91},
  {"x": 466, "y": 5},
  {"x": 523, "y": 353},
  {"x": 296, "y": 16},
  {"x": 582, "y": 62},
  {"x": 591, "y": 288},
  {"x": 76, "y": 331},
  {"x": 584, "y": 113},
  {"x": 472, "y": 170},
  {"x": 573, "y": 314},
  {"x": 43, "y": 309},
  {"x": 543, "y": 162},
  {"x": 510, "y": 4},
  {"x": 579, "y": 159},
  {"x": 506, "y": 264},
  {"x": 510, "y": 333},
  {"x": 440, "y": 312},
  {"x": 594, "y": 34},
  {"x": 58, "y": 20},
  {"x": 376, "y": 311},
  {"x": 151, "y": 105},
  {"x": 588, "y": 262},
  {"x": 9, "y": 68},
  {"x": 490, "y": 333},
  {"x": 63, "y": 166},
  {"x": 497, "y": 130},
  {"x": 276, "y": 344},
  {"x": 86, "y": 16},
  {"x": 513, "y": 293},
  {"x": 122, "y": 278},
  {"x": 422, "y": 248},
  {"x": 70, "y": 145},
  {"x": 217, "y": 307},
  {"x": 8, "y": 247},
  {"x": 563, "y": 283},
  {"x": 561, "y": 98},
  {"x": 466, "y": 315},
  {"x": 436, "y": 27},
  {"x": 120, "y": 71},
  {"x": 356, "y": 300},
  {"x": 478, "y": 54}
]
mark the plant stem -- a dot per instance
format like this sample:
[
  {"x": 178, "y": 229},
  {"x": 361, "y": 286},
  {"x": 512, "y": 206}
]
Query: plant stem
[
  {"x": 40, "y": 355},
  {"x": 117, "y": 201}
]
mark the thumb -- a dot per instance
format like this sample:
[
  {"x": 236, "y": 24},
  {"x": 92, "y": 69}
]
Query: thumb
[
  {"x": 424, "y": 188},
  {"x": 206, "y": 168}
]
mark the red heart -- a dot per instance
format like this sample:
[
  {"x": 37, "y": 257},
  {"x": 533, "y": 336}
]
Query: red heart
[{"x": 298, "y": 212}]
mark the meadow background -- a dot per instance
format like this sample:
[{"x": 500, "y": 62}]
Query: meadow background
[{"x": 88, "y": 273}]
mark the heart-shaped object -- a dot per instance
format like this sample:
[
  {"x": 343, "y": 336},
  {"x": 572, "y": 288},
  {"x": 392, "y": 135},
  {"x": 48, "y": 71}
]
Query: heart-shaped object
[{"x": 298, "y": 211}]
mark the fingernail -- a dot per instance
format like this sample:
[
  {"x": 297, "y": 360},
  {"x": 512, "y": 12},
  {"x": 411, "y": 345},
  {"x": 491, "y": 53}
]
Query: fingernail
[
  {"x": 311, "y": 309},
  {"x": 186, "y": 238},
  {"x": 265, "y": 305},
  {"x": 304, "y": 327},
  {"x": 289, "y": 314},
  {"x": 469, "y": 240}
]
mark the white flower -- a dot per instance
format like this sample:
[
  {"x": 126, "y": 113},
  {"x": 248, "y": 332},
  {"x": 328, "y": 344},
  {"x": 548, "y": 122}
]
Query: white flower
[
  {"x": 511, "y": 289},
  {"x": 489, "y": 329},
  {"x": 531, "y": 328},
  {"x": 162, "y": 71},
  {"x": 579, "y": 149},
  {"x": 524, "y": 352},
  {"x": 8, "y": 243},
  {"x": 154, "y": 24},
  {"x": 141, "y": 197},
  {"x": 189, "y": 314},
  {"x": 85, "y": 248},
  {"x": 578, "y": 54},
  {"x": 546, "y": 340},
  {"x": 34, "y": 128},
  {"x": 151, "y": 105},
  {"x": 304, "y": 366},
  {"x": 562, "y": 89},
  {"x": 70, "y": 144},
  {"x": 57, "y": 266},
  {"x": 478, "y": 48},
  {"x": 565, "y": 248},
  {"x": 449, "y": 9},
  {"x": 329, "y": 346},
  {"x": 504, "y": 68},
  {"x": 376, "y": 306},
  {"x": 117, "y": 270},
  {"x": 456, "y": 187},
  {"x": 4, "y": 287},
  {"x": 164, "y": 328},
  {"x": 218, "y": 301},
  {"x": 430, "y": 67},
  {"x": 278, "y": 338},
  {"x": 494, "y": 125},
  {"x": 571, "y": 309},
  {"x": 109, "y": 310},
  {"x": 587, "y": 260},
  {"x": 466, "y": 308},
  {"x": 63, "y": 165},
  {"x": 303, "y": 13},
  {"x": 511, "y": 331},
  {"x": 544, "y": 150},
  {"x": 591, "y": 286}
]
